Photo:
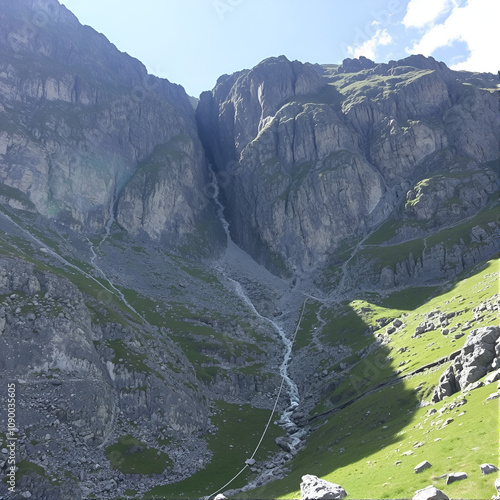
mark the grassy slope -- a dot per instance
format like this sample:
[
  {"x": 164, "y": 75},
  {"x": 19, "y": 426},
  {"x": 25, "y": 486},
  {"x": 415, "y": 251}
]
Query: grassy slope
[
  {"x": 353, "y": 443},
  {"x": 238, "y": 433}
]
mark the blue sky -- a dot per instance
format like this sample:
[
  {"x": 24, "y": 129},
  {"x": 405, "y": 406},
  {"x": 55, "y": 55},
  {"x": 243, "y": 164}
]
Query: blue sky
[{"x": 193, "y": 42}]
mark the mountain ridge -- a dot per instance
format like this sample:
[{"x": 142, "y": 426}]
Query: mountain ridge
[{"x": 148, "y": 344}]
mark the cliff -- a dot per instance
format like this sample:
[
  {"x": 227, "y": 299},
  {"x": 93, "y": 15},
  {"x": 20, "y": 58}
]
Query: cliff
[
  {"x": 323, "y": 155},
  {"x": 78, "y": 121}
]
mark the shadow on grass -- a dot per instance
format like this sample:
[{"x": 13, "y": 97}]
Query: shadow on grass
[{"x": 363, "y": 415}]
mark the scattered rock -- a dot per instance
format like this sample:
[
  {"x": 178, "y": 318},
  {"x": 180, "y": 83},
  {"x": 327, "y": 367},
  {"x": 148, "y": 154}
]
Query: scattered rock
[
  {"x": 455, "y": 476},
  {"x": 284, "y": 443},
  {"x": 493, "y": 396},
  {"x": 474, "y": 361},
  {"x": 488, "y": 469},
  {"x": 422, "y": 466},
  {"x": 313, "y": 488},
  {"x": 492, "y": 377},
  {"x": 430, "y": 493},
  {"x": 448, "y": 421}
]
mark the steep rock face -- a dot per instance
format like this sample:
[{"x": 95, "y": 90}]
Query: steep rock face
[
  {"x": 327, "y": 165},
  {"x": 82, "y": 382},
  {"x": 46, "y": 330},
  {"x": 76, "y": 119}
]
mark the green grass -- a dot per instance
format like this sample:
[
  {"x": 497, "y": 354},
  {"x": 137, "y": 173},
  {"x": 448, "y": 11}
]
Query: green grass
[
  {"x": 309, "y": 320},
  {"x": 238, "y": 433},
  {"x": 389, "y": 230},
  {"x": 132, "y": 360},
  {"x": 372, "y": 450},
  {"x": 409, "y": 298},
  {"x": 131, "y": 456},
  {"x": 356, "y": 87},
  {"x": 452, "y": 236},
  {"x": 389, "y": 256}
]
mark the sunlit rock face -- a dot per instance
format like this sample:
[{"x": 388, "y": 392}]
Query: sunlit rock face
[
  {"x": 314, "y": 156},
  {"x": 83, "y": 126}
]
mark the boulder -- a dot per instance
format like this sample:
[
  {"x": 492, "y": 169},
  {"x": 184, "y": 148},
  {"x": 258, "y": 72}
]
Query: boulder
[
  {"x": 430, "y": 493},
  {"x": 488, "y": 469},
  {"x": 314, "y": 488},
  {"x": 422, "y": 466},
  {"x": 474, "y": 362},
  {"x": 455, "y": 476},
  {"x": 497, "y": 486},
  {"x": 284, "y": 443},
  {"x": 447, "y": 385},
  {"x": 220, "y": 496},
  {"x": 492, "y": 377}
]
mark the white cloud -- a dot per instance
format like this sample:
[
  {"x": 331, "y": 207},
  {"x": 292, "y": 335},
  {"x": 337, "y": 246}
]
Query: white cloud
[
  {"x": 476, "y": 24},
  {"x": 368, "y": 48},
  {"x": 420, "y": 13}
]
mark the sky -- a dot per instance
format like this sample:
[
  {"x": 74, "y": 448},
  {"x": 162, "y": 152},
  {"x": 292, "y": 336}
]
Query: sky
[{"x": 193, "y": 42}]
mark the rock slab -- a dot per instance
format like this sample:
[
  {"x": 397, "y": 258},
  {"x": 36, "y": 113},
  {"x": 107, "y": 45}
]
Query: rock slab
[
  {"x": 314, "y": 488},
  {"x": 422, "y": 466},
  {"x": 430, "y": 493},
  {"x": 455, "y": 476}
]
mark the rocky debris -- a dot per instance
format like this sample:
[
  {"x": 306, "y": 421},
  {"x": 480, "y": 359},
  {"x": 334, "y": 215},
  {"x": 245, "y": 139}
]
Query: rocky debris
[
  {"x": 422, "y": 466},
  {"x": 427, "y": 326},
  {"x": 455, "y": 476},
  {"x": 497, "y": 487},
  {"x": 284, "y": 443},
  {"x": 474, "y": 361},
  {"x": 488, "y": 469},
  {"x": 73, "y": 406},
  {"x": 314, "y": 488},
  {"x": 430, "y": 493}
]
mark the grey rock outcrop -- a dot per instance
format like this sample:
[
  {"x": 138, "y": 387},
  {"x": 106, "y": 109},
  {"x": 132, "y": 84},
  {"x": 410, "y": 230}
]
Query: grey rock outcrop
[
  {"x": 314, "y": 488},
  {"x": 447, "y": 385},
  {"x": 474, "y": 361},
  {"x": 79, "y": 122},
  {"x": 430, "y": 493}
]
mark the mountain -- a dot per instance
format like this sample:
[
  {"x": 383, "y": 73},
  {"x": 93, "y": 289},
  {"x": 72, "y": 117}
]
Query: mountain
[
  {"x": 320, "y": 156},
  {"x": 87, "y": 136},
  {"x": 295, "y": 275}
]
